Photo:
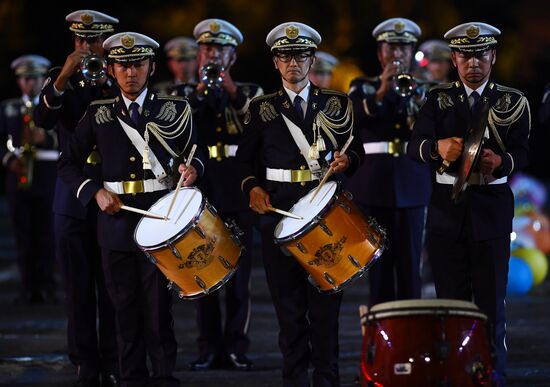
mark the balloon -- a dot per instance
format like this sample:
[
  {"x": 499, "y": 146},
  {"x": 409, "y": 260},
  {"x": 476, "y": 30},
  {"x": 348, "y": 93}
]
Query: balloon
[
  {"x": 539, "y": 228},
  {"x": 520, "y": 278},
  {"x": 528, "y": 189},
  {"x": 521, "y": 239},
  {"x": 536, "y": 260}
]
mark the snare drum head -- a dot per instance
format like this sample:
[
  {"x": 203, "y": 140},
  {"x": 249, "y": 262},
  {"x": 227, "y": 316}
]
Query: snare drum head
[
  {"x": 152, "y": 232},
  {"x": 426, "y": 306},
  {"x": 289, "y": 226}
]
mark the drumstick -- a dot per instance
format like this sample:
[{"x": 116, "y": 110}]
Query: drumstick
[
  {"x": 285, "y": 213},
  {"x": 331, "y": 170},
  {"x": 363, "y": 310},
  {"x": 142, "y": 212},
  {"x": 187, "y": 163}
]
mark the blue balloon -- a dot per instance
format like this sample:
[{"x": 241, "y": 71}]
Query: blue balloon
[{"x": 520, "y": 277}]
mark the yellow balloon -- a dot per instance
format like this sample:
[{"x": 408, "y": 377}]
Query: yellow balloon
[{"x": 536, "y": 260}]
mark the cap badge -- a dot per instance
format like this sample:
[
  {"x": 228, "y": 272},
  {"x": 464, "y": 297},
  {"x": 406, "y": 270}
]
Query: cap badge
[
  {"x": 292, "y": 32},
  {"x": 214, "y": 27},
  {"x": 87, "y": 18},
  {"x": 127, "y": 41},
  {"x": 399, "y": 27},
  {"x": 472, "y": 31}
]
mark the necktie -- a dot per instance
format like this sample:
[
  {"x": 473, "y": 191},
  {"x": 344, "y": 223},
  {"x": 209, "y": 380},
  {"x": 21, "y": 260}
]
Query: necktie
[
  {"x": 475, "y": 97},
  {"x": 298, "y": 106},
  {"x": 134, "y": 112}
]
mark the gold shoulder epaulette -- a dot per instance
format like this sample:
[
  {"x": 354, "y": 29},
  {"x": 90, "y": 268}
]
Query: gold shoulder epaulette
[
  {"x": 262, "y": 97},
  {"x": 103, "y": 101},
  {"x": 170, "y": 97},
  {"x": 334, "y": 92},
  {"x": 508, "y": 89},
  {"x": 442, "y": 86}
]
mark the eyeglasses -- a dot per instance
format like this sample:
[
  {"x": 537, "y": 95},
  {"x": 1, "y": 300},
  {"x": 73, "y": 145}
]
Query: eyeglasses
[{"x": 300, "y": 58}]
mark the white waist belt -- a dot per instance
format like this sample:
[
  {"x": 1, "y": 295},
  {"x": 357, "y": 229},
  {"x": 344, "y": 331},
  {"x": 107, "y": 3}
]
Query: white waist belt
[
  {"x": 372, "y": 148},
  {"x": 289, "y": 175},
  {"x": 46, "y": 155},
  {"x": 475, "y": 179},
  {"x": 150, "y": 185},
  {"x": 41, "y": 155}
]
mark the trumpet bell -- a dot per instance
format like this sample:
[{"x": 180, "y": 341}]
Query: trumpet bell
[
  {"x": 93, "y": 67},
  {"x": 404, "y": 85},
  {"x": 212, "y": 75}
]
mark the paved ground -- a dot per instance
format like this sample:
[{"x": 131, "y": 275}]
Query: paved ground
[{"x": 32, "y": 338}]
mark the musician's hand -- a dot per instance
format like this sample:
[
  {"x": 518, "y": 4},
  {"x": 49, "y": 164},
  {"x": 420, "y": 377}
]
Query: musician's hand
[
  {"x": 229, "y": 85},
  {"x": 17, "y": 166},
  {"x": 386, "y": 80},
  {"x": 72, "y": 63},
  {"x": 341, "y": 162},
  {"x": 450, "y": 148},
  {"x": 259, "y": 200},
  {"x": 489, "y": 161},
  {"x": 107, "y": 201},
  {"x": 189, "y": 174}
]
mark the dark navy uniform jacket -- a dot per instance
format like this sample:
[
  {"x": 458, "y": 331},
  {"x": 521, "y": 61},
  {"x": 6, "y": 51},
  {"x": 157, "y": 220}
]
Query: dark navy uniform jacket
[
  {"x": 445, "y": 114},
  {"x": 11, "y": 128},
  {"x": 268, "y": 143},
  {"x": 386, "y": 180},
  {"x": 219, "y": 122},
  {"x": 121, "y": 161},
  {"x": 66, "y": 110}
]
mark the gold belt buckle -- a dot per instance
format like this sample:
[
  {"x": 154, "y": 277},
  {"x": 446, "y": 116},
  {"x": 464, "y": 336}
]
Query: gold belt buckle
[
  {"x": 396, "y": 148},
  {"x": 132, "y": 187},
  {"x": 300, "y": 175},
  {"x": 217, "y": 151}
]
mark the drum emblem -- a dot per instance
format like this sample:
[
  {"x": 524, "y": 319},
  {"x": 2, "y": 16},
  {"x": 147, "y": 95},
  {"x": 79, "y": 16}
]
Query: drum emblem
[
  {"x": 200, "y": 257},
  {"x": 329, "y": 254}
]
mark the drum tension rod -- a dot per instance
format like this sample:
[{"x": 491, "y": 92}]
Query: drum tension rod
[
  {"x": 301, "y": 247},
  {"x": 354, "y": 262},
  {"x": 225, "y": 263},
  {"x": 199, "y": 231},
  {"x": 174, "y": 250},
  {"x": 324, "y": 227},
  {"x": 201, "y": 283}
]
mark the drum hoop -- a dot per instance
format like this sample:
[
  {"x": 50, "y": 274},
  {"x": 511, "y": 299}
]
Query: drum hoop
[
  {"x": 184, "y": 231},
  {"x": 313, "y": 222},
  {"x": 424, "y": 312}
]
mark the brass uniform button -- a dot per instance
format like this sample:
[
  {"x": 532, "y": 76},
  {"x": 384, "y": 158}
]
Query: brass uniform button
[
  {"x": 302, "y": 167},
  {"x": 218, "y": 158},
  {"x": 132, "y": 158},
  {"x": 218, "y": 129},
  {"x": 398, "y": 126},
  {"x": 303, "y": 183},
  {"x": 132, "y": 175}
]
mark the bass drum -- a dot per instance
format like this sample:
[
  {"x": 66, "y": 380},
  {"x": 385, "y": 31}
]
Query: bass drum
[{"x": 426, "y": 343}]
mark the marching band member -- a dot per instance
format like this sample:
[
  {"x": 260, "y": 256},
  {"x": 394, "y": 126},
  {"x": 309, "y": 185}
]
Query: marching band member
[
  {"x": 139, "y": 134},
  {"x": 288, "y": 137},
  {"x": 65, "y": 97},
  {"x": 468, "y": 238}
]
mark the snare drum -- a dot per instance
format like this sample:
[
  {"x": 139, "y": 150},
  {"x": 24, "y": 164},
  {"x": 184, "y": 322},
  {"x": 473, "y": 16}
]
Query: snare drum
[
  {"x": 333, "y": 241},
  {"x": 426, "y": 343},
  {"x": 194, "y": 248}
]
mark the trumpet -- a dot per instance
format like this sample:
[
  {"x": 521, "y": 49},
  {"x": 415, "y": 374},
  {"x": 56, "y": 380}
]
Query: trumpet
[
  {"x": 93, "y": 67},
  {"x": 405, "y": 84},
  {"x": 212, "y": 75}
]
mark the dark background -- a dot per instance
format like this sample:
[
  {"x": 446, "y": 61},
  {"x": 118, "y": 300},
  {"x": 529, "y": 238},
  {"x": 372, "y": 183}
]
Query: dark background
[{"x": 523, "y": 58}]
